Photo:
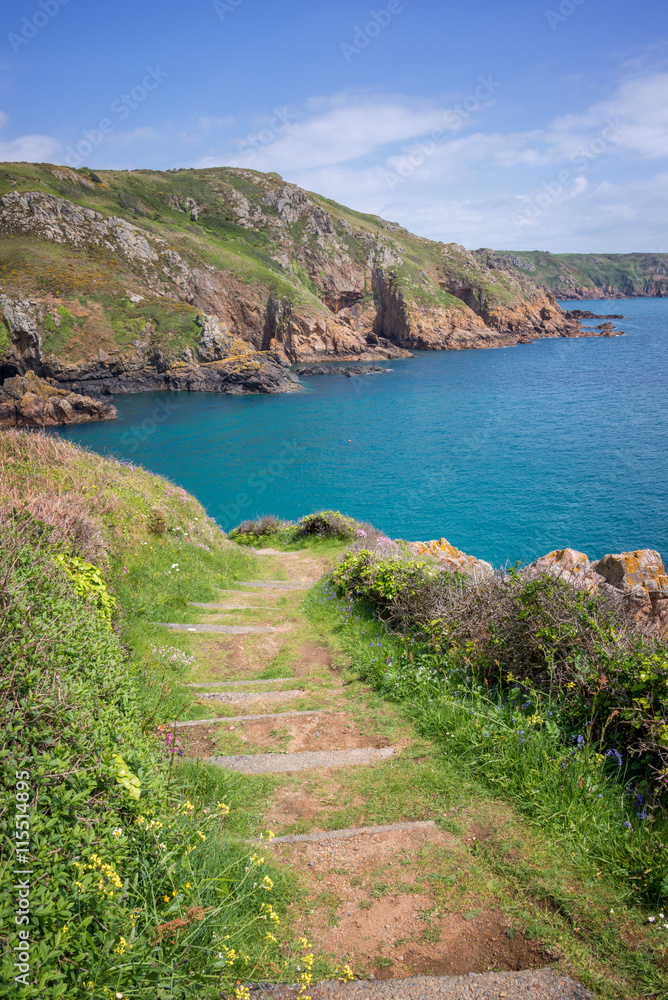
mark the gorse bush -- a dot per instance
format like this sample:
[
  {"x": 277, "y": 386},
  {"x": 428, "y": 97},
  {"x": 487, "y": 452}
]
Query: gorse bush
[{"x": 539, "y": 635}]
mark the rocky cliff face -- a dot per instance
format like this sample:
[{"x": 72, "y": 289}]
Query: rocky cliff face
[{"x": 220, "y": 279}]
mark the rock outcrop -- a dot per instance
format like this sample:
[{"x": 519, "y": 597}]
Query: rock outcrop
[
  {"x": 452, "y": 559},
  {"x": 28, "y": 401},
  {"x": 569, "y": 565}
]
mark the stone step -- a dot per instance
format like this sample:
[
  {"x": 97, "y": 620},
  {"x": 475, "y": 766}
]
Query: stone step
[
  {"x": 299, "y": 838},
  {"x": 216, "y": 684},
  {"x": 275, "y": 584},
  {"x": 239, "y": 697},
  {"x": 263, "y": 763},
  {"x": 223, "y": 629},
  {"x": 539, "y": 984},
  {"x": 246, "y": 593},
  {"x": 247, "y": 718},
  {"x": 233, "y": 607}
]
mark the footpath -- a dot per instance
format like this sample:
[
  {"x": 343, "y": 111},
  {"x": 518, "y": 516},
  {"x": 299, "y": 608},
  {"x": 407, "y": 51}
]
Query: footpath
[{"x": 386, "y": 853}]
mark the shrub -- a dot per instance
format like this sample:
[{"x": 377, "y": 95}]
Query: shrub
[
  {"x": 536, "y": 635},
  {"x": 326, "y": 524},
  {"x": 261, "y": 529}
]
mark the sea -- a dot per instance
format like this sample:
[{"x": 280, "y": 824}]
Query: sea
[{"x": 508, "y": 453}]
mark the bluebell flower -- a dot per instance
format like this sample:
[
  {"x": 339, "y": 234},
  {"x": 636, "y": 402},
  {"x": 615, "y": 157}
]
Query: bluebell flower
[{"x": 628, "y": 825}]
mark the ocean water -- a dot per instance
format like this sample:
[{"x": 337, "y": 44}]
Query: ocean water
[{"x": 508, "y": 453}]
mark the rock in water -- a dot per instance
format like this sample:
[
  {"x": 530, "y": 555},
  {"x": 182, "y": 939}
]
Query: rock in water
[{"x": 29, "y": 401}]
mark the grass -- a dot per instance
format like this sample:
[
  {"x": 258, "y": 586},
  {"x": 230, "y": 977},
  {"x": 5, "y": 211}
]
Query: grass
[
  {"x": 180, "y": 908},
  {"x": 540, "y": 853}
]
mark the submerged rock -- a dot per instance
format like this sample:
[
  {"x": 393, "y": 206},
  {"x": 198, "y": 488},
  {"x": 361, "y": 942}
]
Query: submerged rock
[
  {"x": 303, "y": 370},
  {"x": 29, "y": 401}
]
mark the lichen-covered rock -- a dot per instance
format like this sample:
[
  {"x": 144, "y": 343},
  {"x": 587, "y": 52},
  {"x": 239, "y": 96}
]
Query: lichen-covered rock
[
  {"x": 639, "y": 574},
  {"x": 28, "y": 401},
  {"x": 453, "y": 559},
  {"x": 569, "y": 565}
]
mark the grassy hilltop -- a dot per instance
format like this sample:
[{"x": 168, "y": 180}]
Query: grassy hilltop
[{"x": 281, "y": 268}]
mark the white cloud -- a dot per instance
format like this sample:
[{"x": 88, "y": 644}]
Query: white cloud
[{"x": 31, "y": 149}]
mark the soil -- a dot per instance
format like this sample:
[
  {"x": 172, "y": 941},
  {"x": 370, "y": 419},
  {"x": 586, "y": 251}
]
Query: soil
[{"x": 393, "y": 933}]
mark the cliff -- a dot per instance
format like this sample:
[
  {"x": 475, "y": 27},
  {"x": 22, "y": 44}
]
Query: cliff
[
  {"x": 220, "y": 279},
  {"x": 594, "y": 276}
]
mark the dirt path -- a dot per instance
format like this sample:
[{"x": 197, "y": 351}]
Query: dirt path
[{"x": 411, "y": 898}]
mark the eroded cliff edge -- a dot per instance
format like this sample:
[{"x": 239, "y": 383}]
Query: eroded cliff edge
[{"x": 220, "y": 279}]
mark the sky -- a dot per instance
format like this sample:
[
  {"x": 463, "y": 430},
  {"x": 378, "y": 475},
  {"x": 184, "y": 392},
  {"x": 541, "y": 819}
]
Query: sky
[{"x": 515, "y": 125}]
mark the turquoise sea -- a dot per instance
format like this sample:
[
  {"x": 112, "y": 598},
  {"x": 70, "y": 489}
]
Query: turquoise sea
[{"x": 507, "y": 453}]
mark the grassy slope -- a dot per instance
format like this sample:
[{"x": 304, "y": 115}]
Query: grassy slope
[
  {"x": 631, "y": 273},
  {"x": 78, "y": 695},
  {"x": 101, "y": 280}
]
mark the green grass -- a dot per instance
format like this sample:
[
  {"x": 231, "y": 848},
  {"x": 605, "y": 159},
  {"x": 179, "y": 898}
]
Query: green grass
[
  {"x": 556, "y": 859},
  {"x": 180, "y": 887}
]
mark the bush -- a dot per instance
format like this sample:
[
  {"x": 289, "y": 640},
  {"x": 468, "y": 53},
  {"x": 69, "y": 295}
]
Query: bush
[
  {"x": 536, "y": 635},
  {"x": 326, "y": 524},
  {"x": 249, "y": 532}
]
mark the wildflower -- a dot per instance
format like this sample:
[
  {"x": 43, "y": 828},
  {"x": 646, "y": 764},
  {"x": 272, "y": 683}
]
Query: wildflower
[
  {"x": 580, "y": 739},
  {"x": 270, "y": 937},
  {"x": 628, "y": 825},
  {"x": 267, "y": 883},
  {"x": 612, "y": 911},
  {"x": 616, "y": 755},
  {"x": 166, "y": 898},
  {"x": 187, "y": 885},
  {"x": 118, "y": 832},
  {"x": 651, "y": 920},
  {"x": 201, "y": 835}
]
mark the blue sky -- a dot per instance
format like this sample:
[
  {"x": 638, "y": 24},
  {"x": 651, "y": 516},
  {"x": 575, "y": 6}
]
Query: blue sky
[{"x": 521, "y": 125}]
